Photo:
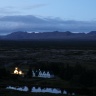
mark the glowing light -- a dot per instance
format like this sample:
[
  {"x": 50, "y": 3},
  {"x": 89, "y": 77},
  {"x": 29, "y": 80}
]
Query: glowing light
[
  {"x": 17, "y": 71},
  {"x": 20, "y": 72},
  {"x": 16, "y": 68}
]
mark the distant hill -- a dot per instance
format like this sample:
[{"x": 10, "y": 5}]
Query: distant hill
[{"x": 49, "y": 35}]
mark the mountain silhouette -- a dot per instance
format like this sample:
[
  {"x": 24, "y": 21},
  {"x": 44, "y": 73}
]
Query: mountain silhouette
[{"x": 49, "y": 35}]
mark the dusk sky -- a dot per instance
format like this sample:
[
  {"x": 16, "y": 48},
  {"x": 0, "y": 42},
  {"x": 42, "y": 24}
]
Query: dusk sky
[{"x": 47, "y": 15}]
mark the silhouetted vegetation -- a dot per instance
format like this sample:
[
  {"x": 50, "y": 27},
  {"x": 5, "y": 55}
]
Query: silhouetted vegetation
[
  {"x": 29, "y": 73},
  {"x": 77, "y": 74},
  {"x": 4, "y": 74}
]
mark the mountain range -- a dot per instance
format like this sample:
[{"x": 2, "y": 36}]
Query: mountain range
[{"x": 49, "y": 35}]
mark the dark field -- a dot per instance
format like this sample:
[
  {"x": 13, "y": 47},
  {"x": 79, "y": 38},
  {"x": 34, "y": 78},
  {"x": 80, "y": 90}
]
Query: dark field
[
  {"x": 67, "y": 52},
  {"x": 73, "y": 63}
]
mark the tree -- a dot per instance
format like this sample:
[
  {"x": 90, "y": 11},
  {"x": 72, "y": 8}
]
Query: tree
[{"x": 29, "y": 73}]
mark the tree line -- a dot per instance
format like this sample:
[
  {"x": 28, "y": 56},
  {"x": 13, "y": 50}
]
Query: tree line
[{"x": 77, "y": 75}]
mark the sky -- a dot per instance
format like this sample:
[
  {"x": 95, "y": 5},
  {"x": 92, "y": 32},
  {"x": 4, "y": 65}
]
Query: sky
[{"x": 47, "y": 15}]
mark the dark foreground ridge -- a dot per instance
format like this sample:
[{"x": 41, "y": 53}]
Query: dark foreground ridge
[{"x": 65, "y": 44}]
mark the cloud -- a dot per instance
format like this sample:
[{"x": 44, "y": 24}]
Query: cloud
[
  {"x": 15, "y": 10},
  {"x": 34, "y": 6},
  {"x": 8, "y": 10},
  {"x": 33, "y": 23}
]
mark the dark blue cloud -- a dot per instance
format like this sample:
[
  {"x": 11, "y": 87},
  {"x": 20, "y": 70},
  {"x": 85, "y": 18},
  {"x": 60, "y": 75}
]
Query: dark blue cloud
[{"x": 33, "y": 23}]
